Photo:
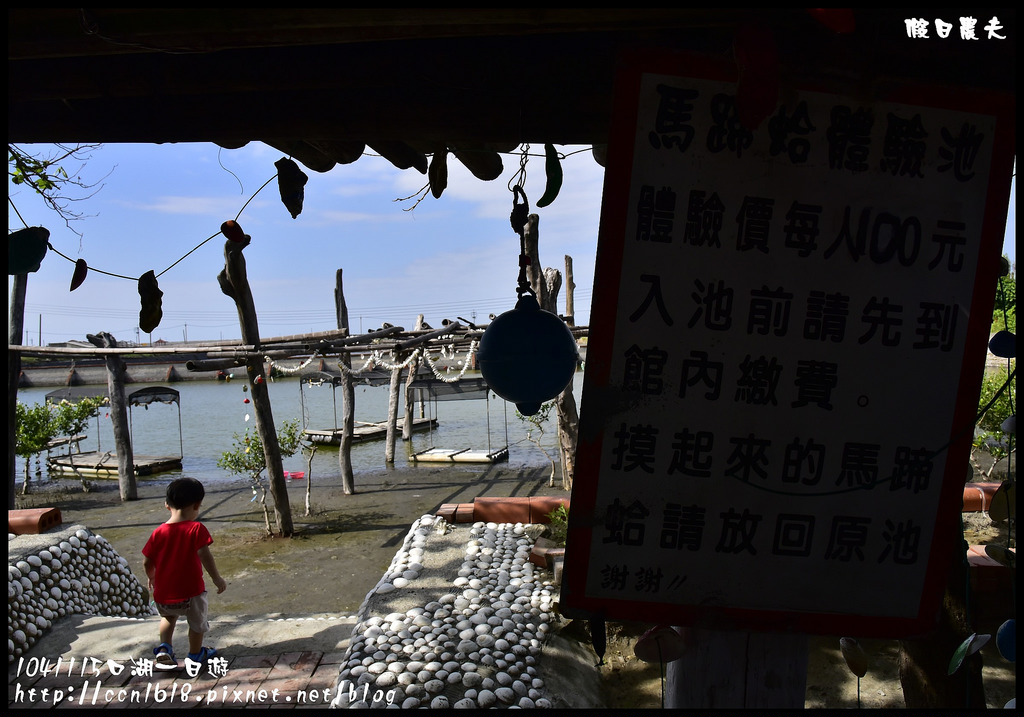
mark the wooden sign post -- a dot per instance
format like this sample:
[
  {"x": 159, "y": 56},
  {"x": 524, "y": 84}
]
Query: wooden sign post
[{"x": 785, "y": 358}]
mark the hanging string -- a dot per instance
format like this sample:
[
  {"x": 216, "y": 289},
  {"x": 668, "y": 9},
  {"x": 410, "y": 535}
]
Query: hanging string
[
  {"x": 178, "y": 261},
  {"x": 518, "y": 218},
  {"x": 217, "y": 233},
  {"x": 518, "y": 179}
]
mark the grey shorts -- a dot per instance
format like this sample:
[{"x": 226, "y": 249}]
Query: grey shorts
[{"x": 195, "y": 610}]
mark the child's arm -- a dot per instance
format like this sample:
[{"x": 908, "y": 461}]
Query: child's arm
[
  {"x": 206, "y": 558},
  {"x": 150, "y": 567}
]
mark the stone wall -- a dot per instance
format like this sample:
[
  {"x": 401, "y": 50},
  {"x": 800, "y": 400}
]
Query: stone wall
[{"x": 65, "y": 571}]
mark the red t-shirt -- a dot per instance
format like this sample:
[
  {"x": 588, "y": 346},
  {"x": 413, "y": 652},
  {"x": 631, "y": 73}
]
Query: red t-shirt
[{"x": 174, "y": 550}]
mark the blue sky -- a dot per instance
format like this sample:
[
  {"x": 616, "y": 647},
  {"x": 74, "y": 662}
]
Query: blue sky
[{"x": 445, "y": 258}]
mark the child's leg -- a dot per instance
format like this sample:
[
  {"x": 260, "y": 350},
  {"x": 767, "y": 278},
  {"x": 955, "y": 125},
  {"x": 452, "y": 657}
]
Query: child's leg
[
  {"x": 198, "y": 623},
  {"x": 167, "y": 623},
  {"x": 195, "y": 641}
]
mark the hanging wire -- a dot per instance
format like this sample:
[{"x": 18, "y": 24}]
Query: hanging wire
[
  {"x": 178, "y": 261},
  {"x": 519, "y": 178}
]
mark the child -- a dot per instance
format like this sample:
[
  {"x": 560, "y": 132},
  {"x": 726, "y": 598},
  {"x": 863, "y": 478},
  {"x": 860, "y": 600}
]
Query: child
[{"x": 176, "y": 554}]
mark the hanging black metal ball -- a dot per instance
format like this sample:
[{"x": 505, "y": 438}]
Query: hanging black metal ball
[{"x": 527, "y": 355}]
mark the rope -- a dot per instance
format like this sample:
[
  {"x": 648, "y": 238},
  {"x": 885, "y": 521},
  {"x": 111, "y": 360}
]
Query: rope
[
  {"x": 283, "y": 369},
  {"x": 465, "y": 365},
  {"x": 377, "y": 359},
  {"x": 355, "y": 372}
]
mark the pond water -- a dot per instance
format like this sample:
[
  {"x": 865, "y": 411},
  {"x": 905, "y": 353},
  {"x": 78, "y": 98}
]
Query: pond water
[{"x": 212, "y": 413}]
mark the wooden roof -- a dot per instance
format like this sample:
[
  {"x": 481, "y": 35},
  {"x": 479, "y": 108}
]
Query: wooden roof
[{"x": 322, "y": 85}]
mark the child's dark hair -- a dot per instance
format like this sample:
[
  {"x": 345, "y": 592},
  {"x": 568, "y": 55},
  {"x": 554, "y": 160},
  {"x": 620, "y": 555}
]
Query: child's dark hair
[{"x": 183, "y": 492}]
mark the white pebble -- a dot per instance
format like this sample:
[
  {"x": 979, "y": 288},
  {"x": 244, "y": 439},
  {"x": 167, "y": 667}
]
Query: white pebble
[
  {"x": 434, "y": 686},
  {"x": 486, "y": 699},
  {"x": 505, "y": 694}
]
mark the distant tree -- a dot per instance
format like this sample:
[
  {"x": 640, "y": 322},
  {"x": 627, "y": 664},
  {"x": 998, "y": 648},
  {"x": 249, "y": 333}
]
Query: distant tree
[
  {"x": 33, "y": 428},
  {"x": 998, "y": 386},
  {"x": 1005, "y": 315},
  {"x": 40, "y": 423}
]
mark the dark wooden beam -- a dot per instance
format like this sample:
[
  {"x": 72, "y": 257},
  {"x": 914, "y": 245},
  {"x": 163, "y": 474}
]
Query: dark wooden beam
[{"x": 418, "y": 77}]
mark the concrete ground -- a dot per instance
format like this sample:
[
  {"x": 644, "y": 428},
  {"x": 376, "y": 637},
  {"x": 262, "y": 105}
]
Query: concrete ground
[{"x": 97, "y": 662}]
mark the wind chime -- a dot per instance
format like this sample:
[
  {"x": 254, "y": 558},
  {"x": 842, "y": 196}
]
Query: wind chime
[{"x": 526, "y": 355}]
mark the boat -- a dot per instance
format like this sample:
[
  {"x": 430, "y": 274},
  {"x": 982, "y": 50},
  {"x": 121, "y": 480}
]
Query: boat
[
  {"x": 362, "y": 431},
  {"x": 104, "y": 464},
  {"x": 435, "y": 390}
]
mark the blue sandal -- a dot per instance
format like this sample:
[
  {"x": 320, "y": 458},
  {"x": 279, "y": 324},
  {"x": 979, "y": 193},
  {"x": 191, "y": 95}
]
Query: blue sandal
[
  {"x": 203, "y": 655},
  {"x": 164, "y": 657}
]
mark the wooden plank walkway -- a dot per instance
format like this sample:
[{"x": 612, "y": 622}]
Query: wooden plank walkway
[
  {"x": 70, "y": 441},
  {"x": 96, "y": 464},
  {"x": 364, "y": 431},
  {"x": 460, "y": 455}
]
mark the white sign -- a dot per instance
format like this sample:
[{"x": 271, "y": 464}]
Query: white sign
[{"x": 785, "y": 357}]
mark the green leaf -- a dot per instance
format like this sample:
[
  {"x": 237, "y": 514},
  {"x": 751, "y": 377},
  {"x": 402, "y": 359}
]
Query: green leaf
[
  {"x": 968, "y": 647},
  {"x": 959, "y": 655}
]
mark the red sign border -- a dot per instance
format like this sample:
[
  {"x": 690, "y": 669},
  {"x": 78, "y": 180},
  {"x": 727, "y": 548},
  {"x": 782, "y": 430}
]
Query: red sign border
[{"x": 583, "y": 519}]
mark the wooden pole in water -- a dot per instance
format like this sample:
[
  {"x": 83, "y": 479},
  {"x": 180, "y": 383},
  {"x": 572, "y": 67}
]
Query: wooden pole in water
[
  {"x": 348, "y": 395},
  {"x": 396, "y": 381},
  {"x": 235, "y": 283},
  {"x": 119, "y": 417},
  {"x": 546, "y": 285},
  {"x": 15, "y": 329},
  {"x": 407, "y": 424},
  {"x": 570, "y": 290}
]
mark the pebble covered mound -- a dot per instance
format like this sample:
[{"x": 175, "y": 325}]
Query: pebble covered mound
[
  {"x": 458, "y": 620},
  {"x": 65, "y": 572}
]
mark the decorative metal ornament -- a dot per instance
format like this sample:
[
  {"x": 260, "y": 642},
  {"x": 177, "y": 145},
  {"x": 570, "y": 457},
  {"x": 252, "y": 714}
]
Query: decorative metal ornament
[
  {"x": 1003, "y": 344},
  {"x": 660, "y": 644},
  {"x": 1006, "y": 640},
  {"x": 853, "y": 653},
  {"x": 291, "y": 182},
  {"x": 26, "y": 249},
  {"x": 968, "y": 647},
  {"x": 152, "y": 302},
  {"x": 527, "y": 355},
  {"x": 233, "y": 231},
  {"x": 81, "y": 270}
]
